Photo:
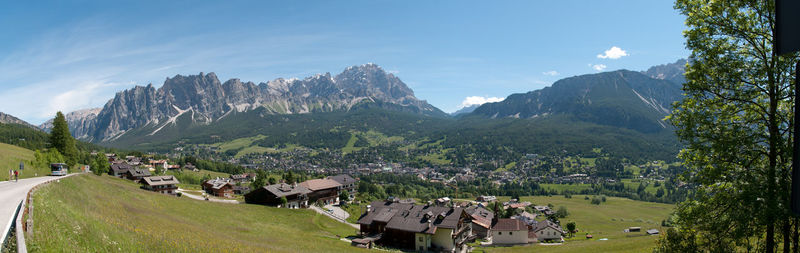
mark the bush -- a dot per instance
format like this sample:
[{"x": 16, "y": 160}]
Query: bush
[
  {"x": 179, "y": 194},
  {"x": 596, "y": 201}
]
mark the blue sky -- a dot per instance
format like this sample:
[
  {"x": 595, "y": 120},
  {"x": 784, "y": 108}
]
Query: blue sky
[{"x": 68, "y": 56}]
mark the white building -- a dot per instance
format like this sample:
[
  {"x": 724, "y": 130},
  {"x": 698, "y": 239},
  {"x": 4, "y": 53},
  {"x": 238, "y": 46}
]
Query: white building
[{"x": 509, "y": 231}]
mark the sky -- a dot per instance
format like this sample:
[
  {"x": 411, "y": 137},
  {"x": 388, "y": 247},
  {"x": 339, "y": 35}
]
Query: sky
[{"x": 65, "y": 56}]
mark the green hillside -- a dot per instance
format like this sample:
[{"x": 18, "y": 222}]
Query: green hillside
[
  {"x": 607, "y": 220},
  {"x": 11, "y": 156},
  {"x": 87, "y": 213}
]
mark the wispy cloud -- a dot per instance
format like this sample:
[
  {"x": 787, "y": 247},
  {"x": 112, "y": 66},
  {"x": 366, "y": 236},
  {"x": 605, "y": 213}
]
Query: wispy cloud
[
  {"x": 479, "y": 100},
  {"x": 613, "y": 53},
  {"x": 550, "y": 73}
]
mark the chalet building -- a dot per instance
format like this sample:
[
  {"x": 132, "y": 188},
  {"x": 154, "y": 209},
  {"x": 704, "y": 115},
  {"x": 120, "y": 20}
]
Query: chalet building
[
  {"x": 162, "y": 184},
  {"x": 481, "y": 221},
  {"x": 348, "y": 183},
  {"x": 137, "y": 174},
  {"x": 220, "y": 187},
  {"x": 239, "y": 190},
  {"x": 547, "y": 231},
  {"x": 323, "y": 191},
  {"x": 159, "y": 164},
  {"x": 484, "y": 198},
  {"x": 509, "y": 232},
  {"x": 417, "y": 227},
  {"x": 296, "y": 195},
  {"x": 242, "y": 178},
  {"x": 119, "y": 169}
]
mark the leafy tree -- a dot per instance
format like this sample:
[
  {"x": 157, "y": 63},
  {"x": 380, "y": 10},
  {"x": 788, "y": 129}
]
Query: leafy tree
[
  {"x": 284, "y": 201},
  {"x": 344, "y": 196},
  {"x": 61, "y": 139},
  {"x": 571, "y": 228},
  {"x": 99, "y": 165},
  {"x": 272, "y": 180},
  {"x": 735, "y": 124},
  {"x": 562, "y": 212},
  {"x": 259, "y": 181}
]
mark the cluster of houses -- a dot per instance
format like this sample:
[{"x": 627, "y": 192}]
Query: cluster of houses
[
  {"x": 299, "y": 195},
  {"x": 445, "y": 227},
  {"x": 132, "y": 168}
]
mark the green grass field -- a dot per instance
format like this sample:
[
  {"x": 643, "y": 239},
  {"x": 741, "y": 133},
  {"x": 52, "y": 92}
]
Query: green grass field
[
  {"x": 607, "y": 220},
  {"x": 89, "y": 213},
  {"x": 11, "y": 156}
]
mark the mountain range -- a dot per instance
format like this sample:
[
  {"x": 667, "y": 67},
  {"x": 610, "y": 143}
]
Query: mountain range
[{"x": 634, "y": 101}]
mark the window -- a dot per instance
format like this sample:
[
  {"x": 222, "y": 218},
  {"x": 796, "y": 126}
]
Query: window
[
  {"x": 500, "y": 233},
  {"x": 420, "y": 247},
  {"x": 510, "y": 233},
  {"x": 420, "y": 238}
]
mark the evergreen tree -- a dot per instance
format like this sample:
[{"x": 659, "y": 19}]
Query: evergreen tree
[{"x": 61, "y": 139}]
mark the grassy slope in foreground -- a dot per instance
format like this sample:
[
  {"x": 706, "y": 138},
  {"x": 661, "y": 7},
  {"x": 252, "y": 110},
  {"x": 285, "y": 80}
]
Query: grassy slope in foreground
[
  {"x": 606, "y": 220},
  {"x": 87, "y": 213},
  {"x": 11, "y": 156}
]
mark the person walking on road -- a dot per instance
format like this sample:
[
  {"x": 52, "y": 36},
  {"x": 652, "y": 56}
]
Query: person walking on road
[
  {"x": 10, "y": 175},
  {"x": 16, "y": 176}
]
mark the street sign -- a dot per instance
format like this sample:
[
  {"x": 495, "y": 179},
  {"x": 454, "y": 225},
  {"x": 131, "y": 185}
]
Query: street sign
[{"x": 786, "y": 41}]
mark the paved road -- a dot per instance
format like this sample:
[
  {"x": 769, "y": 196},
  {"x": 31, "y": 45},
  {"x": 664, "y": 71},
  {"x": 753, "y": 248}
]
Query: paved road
[
  {"x": 211, "y": 198},
  {"x": 319, "y": 210},
  {"x": 12, "y": 193}
]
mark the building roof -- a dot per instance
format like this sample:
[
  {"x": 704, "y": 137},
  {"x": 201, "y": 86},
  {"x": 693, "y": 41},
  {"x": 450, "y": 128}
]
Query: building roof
[
  {"x": 283, "y": 189},
  {"x": 509, "y": 225},
  {"x": 547, "y": 224},
  {"x": 480, "y": 216},
  {"x": 343, "y": 179},
  {"x": 139, "y": 172},
  {"x": 320, "y": 184},
  {"x": 239, "y": 176},
  {"x": 120, "y": 167},
  {"x": 160, "y": 180},
  {"x": 218, "y": 183},
  {"x": 413, "y": 218},
  {"x": 528, "y": 215}
]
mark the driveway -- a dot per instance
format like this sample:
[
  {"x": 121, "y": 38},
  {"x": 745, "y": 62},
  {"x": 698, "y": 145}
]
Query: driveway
[
  {"x": 326, "y": 213},
  {"x": 12, "y": 193},
  {"x": 336, "y": 211}
]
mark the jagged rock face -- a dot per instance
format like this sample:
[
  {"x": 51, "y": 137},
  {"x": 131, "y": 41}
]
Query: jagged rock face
[
  {"x": 671, "y": 72},
  {"x": 208, "y": 100},
  {"x": 8, "y": 119},
  {"x": 620, "y": 98},
  {"x": 80, "y": 122}
]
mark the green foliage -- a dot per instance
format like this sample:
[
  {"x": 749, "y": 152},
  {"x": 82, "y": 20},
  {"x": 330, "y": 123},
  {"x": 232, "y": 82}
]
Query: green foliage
[
  {"x": 99, "y": 165},
  {"x": 735, "y": 122},
  {"x": 261, "y": 176},
  {"x": 45, "y": 158},
  {"x": 344, "y": 196},
  {"x": 61, "y": 139},
  {"x": 596, "y": 200},
  {"x": 562, "y": 212},
  {"x": 571, "y": 228},
  {"x": 23, "y": 136}
]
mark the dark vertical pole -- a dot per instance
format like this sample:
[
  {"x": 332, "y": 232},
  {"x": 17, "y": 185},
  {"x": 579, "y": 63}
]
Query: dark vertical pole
[{"x": 795, "y": 152}]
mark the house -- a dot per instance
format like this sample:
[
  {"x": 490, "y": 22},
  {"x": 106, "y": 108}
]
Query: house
[
  {"x": 519, "y": 205},
  {"x": 528, "y": 218},
  {"x": 417, "y": 227},
  {"x": 509, "y": 232},
  {"x": 296, "y": 196},
  {"x": 323, "y": 191},
  {"x": 189, "y": 166},
  {"x": 240, "y": 189},
  {"x": 159, "y": 164},
  {"x": 442, "y": 201},
  {"x": 348, "y": 183},
  {"x": 486, "y": 198},
  {"x": 652, "y": 231},
  {"x": 220, "y": 187},
  {"x": 241, "y": 178},
  {"x": 133, "y": 161},
  {"x": 162, "y": 184},
  {"x": 137, "y": 174},
  {"x": 119, "y": 169},
  {"x": 547, "y": 230},
  {"x": 481, "y": 221}
]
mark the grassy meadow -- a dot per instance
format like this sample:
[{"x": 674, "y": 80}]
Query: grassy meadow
[
  {"x": 89, "y": 213},
  {"x": 607, "y": 220},
  {"x": 11, "y": 156}
]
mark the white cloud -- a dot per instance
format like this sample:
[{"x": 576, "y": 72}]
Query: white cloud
[
  {"x": 550, "y": 73},
  {"x": 478, "y": 100},
  {"x": 598, "y": 67},
  {"x": 613, "y": 53}
]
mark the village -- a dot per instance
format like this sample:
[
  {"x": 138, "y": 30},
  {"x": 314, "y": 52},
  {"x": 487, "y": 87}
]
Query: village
[{"x": 443, "y": 224}]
